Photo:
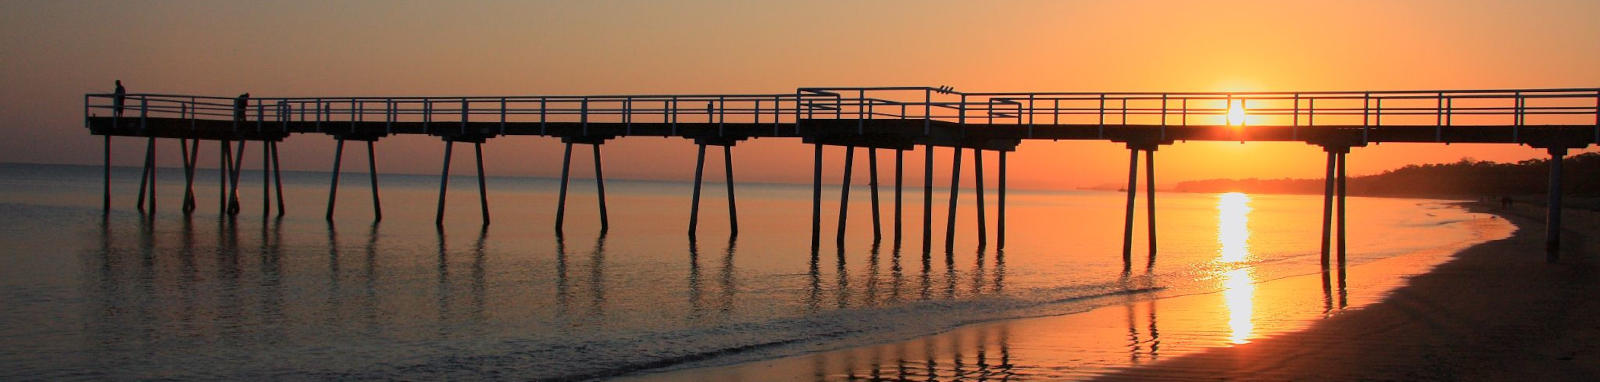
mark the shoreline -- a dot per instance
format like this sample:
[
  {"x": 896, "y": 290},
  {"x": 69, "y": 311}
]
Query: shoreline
[
  {"x": 1494, "y": 311},
  {"x": 1193, "y": 329}
]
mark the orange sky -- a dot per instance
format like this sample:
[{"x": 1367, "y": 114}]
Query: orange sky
[{"x": 54, "y": 51}]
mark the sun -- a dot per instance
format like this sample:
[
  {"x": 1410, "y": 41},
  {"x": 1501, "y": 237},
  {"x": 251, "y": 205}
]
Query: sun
[{"x": 1236, "y": 113}]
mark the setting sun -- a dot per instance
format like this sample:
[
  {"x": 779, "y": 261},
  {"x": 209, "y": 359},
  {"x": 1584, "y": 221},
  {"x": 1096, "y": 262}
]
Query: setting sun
[{"x": 1236, "y": 115}]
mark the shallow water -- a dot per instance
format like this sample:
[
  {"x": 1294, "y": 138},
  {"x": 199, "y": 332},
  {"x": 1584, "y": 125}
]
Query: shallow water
[{"x": 127, "y": 297}]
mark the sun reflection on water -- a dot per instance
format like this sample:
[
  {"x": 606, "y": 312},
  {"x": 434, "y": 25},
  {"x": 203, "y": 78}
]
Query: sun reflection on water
[
  {"x": 1233, "y": 230},
  {"x": 1233, "y": 233}
]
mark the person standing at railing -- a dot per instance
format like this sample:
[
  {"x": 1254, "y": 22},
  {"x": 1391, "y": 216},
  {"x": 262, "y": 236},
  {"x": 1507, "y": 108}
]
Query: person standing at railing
[
  {"x": 117, "y": 97},
  {"x": 239, "y": 105}
]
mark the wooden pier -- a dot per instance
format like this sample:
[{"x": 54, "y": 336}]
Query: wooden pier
[{"x": 871, "y": 118}]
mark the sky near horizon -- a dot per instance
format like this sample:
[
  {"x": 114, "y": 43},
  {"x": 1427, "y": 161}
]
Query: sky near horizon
[{"x": 52, "y": 52}]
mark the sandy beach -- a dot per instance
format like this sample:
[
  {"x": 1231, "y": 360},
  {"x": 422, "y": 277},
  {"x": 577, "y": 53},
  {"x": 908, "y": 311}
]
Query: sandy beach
[
  {"x": 1491, "y": 311},
  {"x": 1496, "y": 311}
]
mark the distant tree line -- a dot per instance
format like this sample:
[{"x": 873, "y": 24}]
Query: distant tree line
[{"x": 1466, "y": 178}]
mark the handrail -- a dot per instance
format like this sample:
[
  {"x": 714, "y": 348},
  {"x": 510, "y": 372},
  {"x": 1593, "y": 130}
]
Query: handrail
[{"x": 1466, "y": 107}]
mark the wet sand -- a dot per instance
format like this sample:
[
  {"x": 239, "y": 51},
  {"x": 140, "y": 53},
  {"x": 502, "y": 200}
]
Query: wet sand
[
  {"x": 1493, "y": 311},
  {"x": 1497, "y": 311}
]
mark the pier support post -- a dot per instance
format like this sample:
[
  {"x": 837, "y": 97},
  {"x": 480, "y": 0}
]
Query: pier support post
[
  {"x": 277, "y": 177},
  {"x": 977, "y": 184},
  {"x": 1000, "y": 223},
  {"x": 1552, "y": 223},
  {"x": 899, "y": 172},
  {"x": 561, "y": 201},
  {"x": 816, "y": 195},
  {"x": 1327, "y": 208},
  {"x": 872, "y": 182},
  {"x": 733, "y": 208},
  {"x": 927, "y": 198},
  {"x": 233, "y": 179},
  {"x": 444, "y": 184},
  {"x": 1340, "y": 211},
  {"x": 483, "y": 189},
  {"x": 333, "y": 185},
  {"x": 266, "y": 179},
  {"x": 372, "y": 170},
  {"x": 844, "y": 195},
  {"x": 224, "y": 171},
  {"x": 105, "y": 206},
  {"x": 955, "y": 192},
  {"x": 194, "y": 165},
  {"x": 188, "y": 177},
  {"x": 144, "y": 174},
  {"x": 1150, "y": 203},
  {"x": 1127, "y": 225},
  {"x": 699, "y": 172},
  {"x": 600, "y": 189}
]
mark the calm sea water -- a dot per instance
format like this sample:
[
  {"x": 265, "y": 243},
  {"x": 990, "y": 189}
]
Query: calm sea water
[{"x": 129, "y": 297}]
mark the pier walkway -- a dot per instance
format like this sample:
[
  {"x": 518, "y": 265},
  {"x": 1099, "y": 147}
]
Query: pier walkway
[{"x": 874, "y": 118}]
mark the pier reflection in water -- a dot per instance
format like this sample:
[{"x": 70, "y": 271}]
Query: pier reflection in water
[
  {"x": 1134, "y": 331},
  {"x": 201, "y": 296}
]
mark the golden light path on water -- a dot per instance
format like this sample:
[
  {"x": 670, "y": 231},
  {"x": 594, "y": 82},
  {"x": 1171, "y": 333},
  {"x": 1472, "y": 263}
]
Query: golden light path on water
[{"x": 1233, "y": 233}]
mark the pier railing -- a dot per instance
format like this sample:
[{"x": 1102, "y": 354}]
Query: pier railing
[{"x": 1436, "y": 108}]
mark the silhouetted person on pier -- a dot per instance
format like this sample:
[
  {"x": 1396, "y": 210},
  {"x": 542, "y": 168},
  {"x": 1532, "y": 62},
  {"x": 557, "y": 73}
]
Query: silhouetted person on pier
[
  {"x": 117, "y": 98},
  {"x": 239, "y": 105}
]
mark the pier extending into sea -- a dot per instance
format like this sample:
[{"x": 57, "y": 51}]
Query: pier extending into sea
[{"x": 875, "y": 119}]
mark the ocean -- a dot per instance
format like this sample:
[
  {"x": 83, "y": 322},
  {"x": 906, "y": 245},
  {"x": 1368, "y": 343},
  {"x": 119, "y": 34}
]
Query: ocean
[{"x": 168, "y": 296}]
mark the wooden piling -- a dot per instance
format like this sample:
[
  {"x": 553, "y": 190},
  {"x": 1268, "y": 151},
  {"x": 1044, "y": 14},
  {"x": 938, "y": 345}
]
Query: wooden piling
[
  {"x": 224, "y": 169},
  {"x": 372, "y": 171},
  {"x": 105, "y": 206},
  {"x": 1340, "y": 211},
  {"x": 1552, "y": 222},
  {"x": 872, "y": 183},
  {"x": 483, "y": 189},
  {"x": 733, "y": 207},
  {"x": 333, "y": 185},
  {"x": 1150, "y": 202},
  {"x": 977, "y": 185},
  {"x": 561, "y": 201},
  {"x": 899, "y": 172},
  {"x": 1000, "y": 221},
  {"x": 699, "y": 172},
  {"x": 277, "y": 178},
  {"x": 1327, "y": 209},
  {"x": 188, "y": 176},
  {"x": 266, "y": 179},
  {"x": 144, "y": 173},
  {"x": 927, "y": 199},
  {"x": 955, "y": 192},
  {"x": 844, "y": 195},
  {"x": 600, "y": 189},
  {"x": 444, "y": 184},
  {"x": 233, "y": 179},
  {"x": 193, "y": 159},
  {"x": 816, "y": 195},
  {"x": 1127, "y": 224}
]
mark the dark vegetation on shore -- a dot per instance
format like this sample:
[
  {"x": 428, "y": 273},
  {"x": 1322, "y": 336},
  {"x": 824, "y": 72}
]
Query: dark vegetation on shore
[{"x": 1465, "y": 179}]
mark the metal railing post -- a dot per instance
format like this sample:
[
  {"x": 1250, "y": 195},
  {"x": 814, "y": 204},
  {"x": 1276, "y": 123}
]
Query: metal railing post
[
  {"x": 1366, "y": 111},
  {"x": 1163, "y": 116},
  {"x": 927, "y": 111},
  {"x": 1294, "y": 134},
  {"x": 1438, "y": 117},
  {"x": 1102, "y": 113}
]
